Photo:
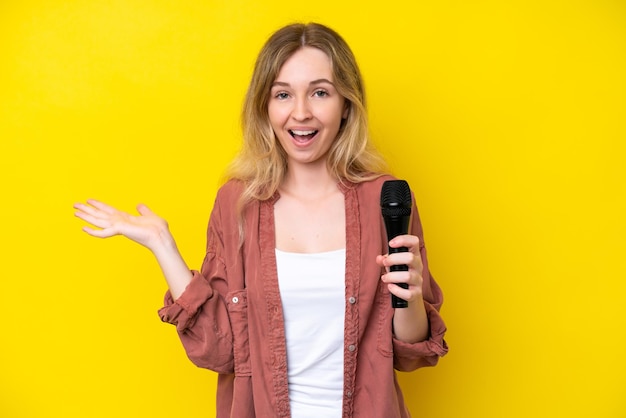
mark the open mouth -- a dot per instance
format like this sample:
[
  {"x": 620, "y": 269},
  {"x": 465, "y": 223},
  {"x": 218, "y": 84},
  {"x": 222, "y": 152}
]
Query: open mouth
[{"x": 302, "y": 136}]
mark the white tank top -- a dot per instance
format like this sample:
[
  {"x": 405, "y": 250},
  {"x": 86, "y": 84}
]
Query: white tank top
[{"x": 312, "y": 290}]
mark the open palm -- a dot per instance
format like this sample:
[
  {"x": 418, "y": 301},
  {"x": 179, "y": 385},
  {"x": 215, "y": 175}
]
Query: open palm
[{"x": 146, "y": 228}]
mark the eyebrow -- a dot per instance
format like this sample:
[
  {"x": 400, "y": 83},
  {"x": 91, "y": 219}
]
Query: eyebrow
[{"x": 312, "y": 83}]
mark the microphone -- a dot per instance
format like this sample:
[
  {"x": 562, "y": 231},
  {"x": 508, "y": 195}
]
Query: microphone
[{"x": 395, "y": 205}]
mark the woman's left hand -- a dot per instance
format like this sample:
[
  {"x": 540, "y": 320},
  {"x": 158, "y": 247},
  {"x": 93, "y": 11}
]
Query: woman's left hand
[{"x": 412, "y": 277}]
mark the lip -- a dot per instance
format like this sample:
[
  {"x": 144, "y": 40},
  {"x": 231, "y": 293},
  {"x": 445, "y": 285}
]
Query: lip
[
  {"x": 301, "y": 136},
  {"x": 299, "y": 132},
  {"x": 302, "y": 128}
]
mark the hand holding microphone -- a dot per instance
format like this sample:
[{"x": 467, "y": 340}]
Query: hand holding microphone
[{"x": 396, "y": 204}]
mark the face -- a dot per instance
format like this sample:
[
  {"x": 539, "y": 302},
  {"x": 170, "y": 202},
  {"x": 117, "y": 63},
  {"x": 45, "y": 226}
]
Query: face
[{"x": 305, "y": 109}]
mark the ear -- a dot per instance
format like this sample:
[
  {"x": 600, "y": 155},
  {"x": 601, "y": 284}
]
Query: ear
[{"x": 346, "y": 110}]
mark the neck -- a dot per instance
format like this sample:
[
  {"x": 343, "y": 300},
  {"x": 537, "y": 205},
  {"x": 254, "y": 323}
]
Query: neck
[{"x": 310, "y": 182}]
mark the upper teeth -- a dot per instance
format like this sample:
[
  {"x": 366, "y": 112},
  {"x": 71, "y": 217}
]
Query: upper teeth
[{"x": 302, "y": 133}]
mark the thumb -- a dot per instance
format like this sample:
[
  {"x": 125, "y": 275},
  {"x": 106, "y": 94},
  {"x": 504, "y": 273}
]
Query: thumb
[{"x": 144, "y": 210}]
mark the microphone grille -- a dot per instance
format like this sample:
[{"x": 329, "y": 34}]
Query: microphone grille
[{"x": 395, "y": 198}]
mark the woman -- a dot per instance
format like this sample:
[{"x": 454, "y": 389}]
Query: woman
[{"x": 292, "y": 304}]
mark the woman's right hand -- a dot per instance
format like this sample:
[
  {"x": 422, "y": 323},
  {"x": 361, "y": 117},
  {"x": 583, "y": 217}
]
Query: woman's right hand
[{"x": 147, "y": 229}]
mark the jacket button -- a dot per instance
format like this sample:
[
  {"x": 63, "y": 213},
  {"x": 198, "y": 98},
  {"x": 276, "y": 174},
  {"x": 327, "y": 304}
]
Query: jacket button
[
  {"x": 352, "y": 300},
  {"x": 351, "y": 347},
  {"x": 235, "y": 299}
]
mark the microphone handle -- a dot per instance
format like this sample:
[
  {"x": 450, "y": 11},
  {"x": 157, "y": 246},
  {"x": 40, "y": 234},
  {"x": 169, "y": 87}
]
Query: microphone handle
[{"x": 397, "y": 302}]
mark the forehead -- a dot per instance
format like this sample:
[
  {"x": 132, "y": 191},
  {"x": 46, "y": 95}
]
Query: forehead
[{"x": 307, "y": 63}]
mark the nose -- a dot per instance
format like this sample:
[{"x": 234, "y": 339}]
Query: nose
[{"x": 302, "y": 109}]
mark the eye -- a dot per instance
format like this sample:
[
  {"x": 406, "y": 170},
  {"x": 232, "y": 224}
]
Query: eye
[
  {"x": 320, "y": 93},
  {"x": 281, "y": 95}
]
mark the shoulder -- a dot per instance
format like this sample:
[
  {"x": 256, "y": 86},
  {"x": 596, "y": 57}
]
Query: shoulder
[
  {"x": 372, "y": 187},
  {"x": 226, "y": 201},
  {"x": 229, "y": 192}
]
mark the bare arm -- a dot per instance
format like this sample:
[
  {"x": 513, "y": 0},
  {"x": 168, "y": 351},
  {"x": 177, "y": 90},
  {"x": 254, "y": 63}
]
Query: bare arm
[
  {"x": 146, "y": 229},
  {"x": 410, "y": 324}
]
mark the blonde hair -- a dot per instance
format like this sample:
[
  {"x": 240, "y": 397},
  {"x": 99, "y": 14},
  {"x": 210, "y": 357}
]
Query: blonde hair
[{"x": 262, "y": 163}]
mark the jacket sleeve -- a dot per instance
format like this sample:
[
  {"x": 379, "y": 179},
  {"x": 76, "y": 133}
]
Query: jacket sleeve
[
  {"x": 200, "y": 314},
  {"x": 408, "y": 357}
]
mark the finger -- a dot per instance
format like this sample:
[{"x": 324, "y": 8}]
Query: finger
[
  {"x": 94, "y": 220},
  {"x": 394, "y": 259},
  {"x": 404, "y": 258},
  {"x": 405, "y": 294},
  {"x": 408, "y": 293},
  {"x": 99, "y": 233},
  {"x": 380, "y": 260},
  {"x": 102, "y": 206},
  {"x": 409, "y": 241},
  {"x": 89, "y": 210},
  {"x": 414, "y": 262},
  {"x": 144, "y": 210},
  {"x": 397, "y": 277}
]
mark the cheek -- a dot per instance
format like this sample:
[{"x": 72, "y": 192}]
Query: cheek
[
  {"x": 277, "y": 116},
  {"x": 334, "y": 116}
]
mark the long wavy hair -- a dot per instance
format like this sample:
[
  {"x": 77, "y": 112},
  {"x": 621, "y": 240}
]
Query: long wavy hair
[{"x": 262, "y": 162}]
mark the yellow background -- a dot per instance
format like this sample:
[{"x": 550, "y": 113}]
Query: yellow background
[{"x": 506, "y": 117}]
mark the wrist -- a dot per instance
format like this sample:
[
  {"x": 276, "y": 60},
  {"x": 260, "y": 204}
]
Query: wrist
[{"x": 163, "y": 243}]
